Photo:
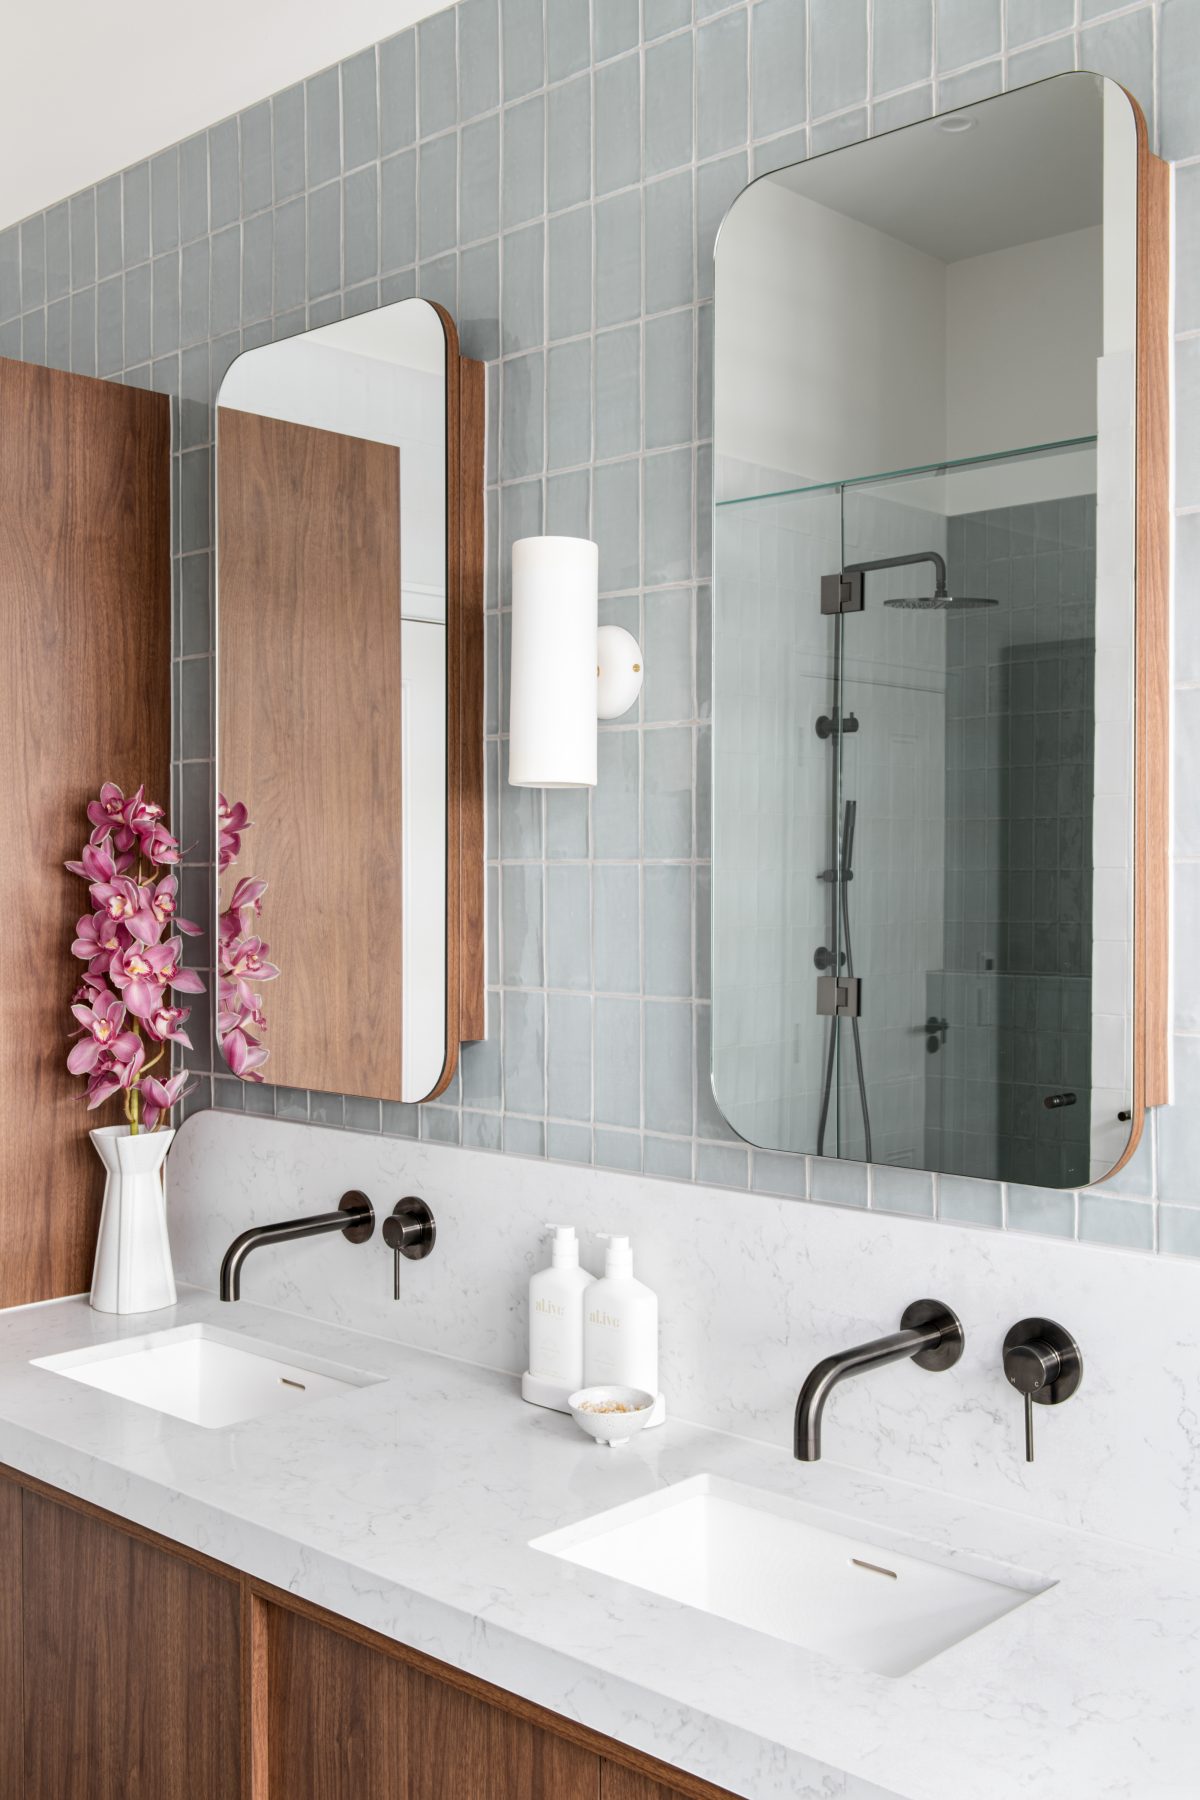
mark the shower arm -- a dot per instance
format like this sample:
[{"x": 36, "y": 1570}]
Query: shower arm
[{"x": 901, "y": 562}]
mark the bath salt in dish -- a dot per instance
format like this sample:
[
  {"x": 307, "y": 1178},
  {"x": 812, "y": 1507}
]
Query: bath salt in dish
[{"x": 611, "y": 1415}]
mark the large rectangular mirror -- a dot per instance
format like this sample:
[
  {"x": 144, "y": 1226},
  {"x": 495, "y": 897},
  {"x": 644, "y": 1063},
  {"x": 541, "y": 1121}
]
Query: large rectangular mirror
[
  {"x": 349, "y": 612},
  {"x": 939, "y": 632}
]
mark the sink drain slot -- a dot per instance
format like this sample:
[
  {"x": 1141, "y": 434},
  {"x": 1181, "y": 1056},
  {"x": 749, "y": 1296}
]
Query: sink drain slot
[
  {"x": 285, "y": 1381},
  {"x": 875, "y": 1568}
]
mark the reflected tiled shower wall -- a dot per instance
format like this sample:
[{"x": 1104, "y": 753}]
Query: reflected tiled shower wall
[
  {"x": 555, "y": 172},
  {"x": 1014, "y": 989}
]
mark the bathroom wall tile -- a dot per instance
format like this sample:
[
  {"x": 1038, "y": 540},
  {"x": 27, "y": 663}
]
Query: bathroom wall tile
[
  {"x": 479, "y": 301},
  {"x": 479, "y": 179},
  {"x": 616, "y": 517},
  {"x": 618, "y": 392},
  {"x": 902, "y": 1190},
  {"x": 224, "y": 186},
  {"x": 1179, "y": 1231},
  {"x": 441, "y": 1125},
  {"x": 480, "y": 1066},
  {"x": 1123, "y": 48},
  {"x": 615, "y": 821},
  {"x": 902, "y": 109},
  {"x": 524, "y": 1052},
  {"x": 967, "y": 31},
  {"x": 617, "y": 1150},
  {"x": 667, "y": 642},
  {"x": 618, "y": 1062},
  {"x": 901, "y": 45},
  {"x": 568, "y": 926},
  {"x": 569, "y": 1056},
  {"x": 437, "y": 181},
  {"x": 616, "y": 928},
  {"x": 83, "y": 239},
  {"x": 722, "y": 1165},
  {"x": 1027, "y": 20},
  {"x": 670, "y": 279},
  {"x": 398, "y": 92},
  {"x": 524, "y": 161},
  {"x": 164, "y": 193},
  {"x": 668, "y": 517},
  {"x": 478, "y": 57},
  {"x": 360, "y": 112},
  {"x": 979, "y": 83},
  {"x": 287, "y": 142},
  {"x": 110, "y": 328},
  {"x": 721, "y": 96},
  {"x": 522, "y": 433},
  {"x": 838, "y": 1183},
  {"x": 135, "y": 197},
  {"x": 661, "y": 16},
  {"x": 668, "y": 1157},
  {"x": 522, "y": 47},
  {"x": 667, "y": 890},
  {"x": 83, "y": 331},
  {"x": 617, "y": 112},
  {"x": 110, "y": 248},
  {"x": 569, "y": 143},
  {"x": 33, "y": 262},
  {"x": 323, "y": 127},
  {"x": 837, "y": 39},
  {"x": 58, "y": 251},
  {"x": 615, "y": 27},
  {"x": 967, "y": 1202},
  {"x": 568, "y": 1143},
  {"x": 360, "y": 209},
  {"x": 669, "y": 1080},
  {"x": 437, "y": 73},
  {"x": 569, "y": 256},
  {"x": 1128, "y": 1224},
  {"x": 618, "y": 227},
  {"x": 670, "y": 367},
  {"x": 481, "y": 1131},
  {"x": 398, "y": 242},
  {"x": 669, "y": 104},
  {"x": 10, "y": 272},
  {"x": 567, "y": 808},
  {"x": 568, "y": 404},
  {"x": 523, "y": 265},
  {"x": 1040, "y": 61},
  {"x": 668, "y": 792},
  {"x": 568, "y": 46},
  {"x": 523, "y": 956},
  {"x": 777, "y": 1174},
  {"x": 1042, "y": 1211},
  {"x": 1179, "y": 57},
  {"x": 258, "y": 266},
  {"x": 324, "y": 240}
]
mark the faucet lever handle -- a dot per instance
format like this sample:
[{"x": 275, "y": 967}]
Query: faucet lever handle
[
  {"x": 1044, "y": 1363},
  {"x": 409, "y": 1230}
]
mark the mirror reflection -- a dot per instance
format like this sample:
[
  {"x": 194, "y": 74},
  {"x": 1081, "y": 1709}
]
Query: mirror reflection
[
  {"x": 331, "y": 707},
  {"x": 922, "y": 729}
]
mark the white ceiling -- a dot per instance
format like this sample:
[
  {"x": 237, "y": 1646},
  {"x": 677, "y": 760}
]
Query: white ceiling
[{"x": 86, "y": 89}]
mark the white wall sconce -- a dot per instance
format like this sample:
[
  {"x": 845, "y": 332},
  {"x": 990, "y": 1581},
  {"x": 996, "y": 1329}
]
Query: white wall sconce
[{"x": 565, "y": 670}]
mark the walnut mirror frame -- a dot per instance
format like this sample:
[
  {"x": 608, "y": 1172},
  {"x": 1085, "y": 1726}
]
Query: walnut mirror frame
[
  {"x": 348, "y": 834},
  {"x": 940, "y": 643}
]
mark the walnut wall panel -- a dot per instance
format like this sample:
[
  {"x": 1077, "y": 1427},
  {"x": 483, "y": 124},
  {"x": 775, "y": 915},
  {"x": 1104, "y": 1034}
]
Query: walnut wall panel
[
  {"x": 308, "y": 677},
  {"x": 85, "y": 696},
  {"x": 11, "y": 1722}
]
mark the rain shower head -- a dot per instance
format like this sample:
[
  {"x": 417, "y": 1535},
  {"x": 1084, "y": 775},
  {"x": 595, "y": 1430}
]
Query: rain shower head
[{"x": 941, "y": 600}]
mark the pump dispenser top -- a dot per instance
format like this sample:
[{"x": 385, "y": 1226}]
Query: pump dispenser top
[
  {"x": 618, "y": 1258},
  {"x": 564, "y": 1246}
]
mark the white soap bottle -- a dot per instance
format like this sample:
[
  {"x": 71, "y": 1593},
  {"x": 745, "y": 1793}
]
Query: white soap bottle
[
  {"x": 620, "y": 1325},
  {"x": 556, "y": 1324}
]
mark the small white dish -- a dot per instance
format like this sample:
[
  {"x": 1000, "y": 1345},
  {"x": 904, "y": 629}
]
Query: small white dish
[{"x": 611, "y": 1415}]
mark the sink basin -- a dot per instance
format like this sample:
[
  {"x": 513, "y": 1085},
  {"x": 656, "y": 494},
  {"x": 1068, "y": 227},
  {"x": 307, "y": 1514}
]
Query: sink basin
[
  {"x": 207, "y": 1376},
  {"x": 757, "y": 1560}
]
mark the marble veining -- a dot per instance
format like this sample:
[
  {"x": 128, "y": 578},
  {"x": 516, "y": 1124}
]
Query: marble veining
[
  {"x": 752, "y": 1291},
  {"x": 408, "y": 1506}
]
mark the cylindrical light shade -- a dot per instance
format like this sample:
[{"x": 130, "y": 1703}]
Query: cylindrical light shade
[{"x": 552, "y": 663}]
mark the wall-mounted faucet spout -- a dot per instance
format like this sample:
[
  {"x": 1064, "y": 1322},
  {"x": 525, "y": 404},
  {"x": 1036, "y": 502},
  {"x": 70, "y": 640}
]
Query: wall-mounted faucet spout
[
  {"x": 355, "y": 1218},
  {"x": 930, "y": 1334}
]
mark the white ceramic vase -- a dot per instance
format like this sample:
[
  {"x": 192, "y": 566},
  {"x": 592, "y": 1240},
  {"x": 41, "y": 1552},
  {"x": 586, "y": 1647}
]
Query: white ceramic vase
[{"x": 133, "y": 1272}]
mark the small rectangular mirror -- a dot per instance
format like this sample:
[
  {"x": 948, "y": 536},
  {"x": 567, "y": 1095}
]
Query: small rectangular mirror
[
  {"x": 936, "y": 508},
  {"x": 348, "y": 701}
]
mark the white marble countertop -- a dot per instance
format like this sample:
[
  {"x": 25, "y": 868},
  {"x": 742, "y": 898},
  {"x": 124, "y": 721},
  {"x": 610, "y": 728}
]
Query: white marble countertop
[{"x": 408, "y": 1506}]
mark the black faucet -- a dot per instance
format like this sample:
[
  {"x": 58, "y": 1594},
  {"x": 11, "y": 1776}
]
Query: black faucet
[
  {"x": 355, "y": 1218},
  {"x": 929, "y": 1333}
]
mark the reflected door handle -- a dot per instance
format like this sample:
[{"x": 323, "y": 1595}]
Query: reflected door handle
[{"x": 1053, "y": 1101}]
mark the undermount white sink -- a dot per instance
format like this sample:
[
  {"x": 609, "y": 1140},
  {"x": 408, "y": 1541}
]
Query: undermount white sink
[
  {"x": 207, "y": 1376},
  {"x": 755, "y": 1559}
]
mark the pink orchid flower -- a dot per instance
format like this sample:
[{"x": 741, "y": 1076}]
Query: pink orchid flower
[
  {"x": 136, "y": 979},
  {"x": 120, "y": 898},
  {"x": 115, "y": 1071},
  {"x": 166, "y": 960},
  {"x": 158, "y": 1097},
  {"x": 100, "y": 1032},
  {"x": 247, "y": 963},
  {"x": 231, "y": 822},
  {"x": 108, "y": 815},
  {"x": 157, "y": 909},
  {"x": 97, "y": 939},
  {"x": 98, "y": 863},
  {"x": 167, "y": 1023},
  {"x": 159, "y": 847},
  {"x": 243, "y": 1055}
]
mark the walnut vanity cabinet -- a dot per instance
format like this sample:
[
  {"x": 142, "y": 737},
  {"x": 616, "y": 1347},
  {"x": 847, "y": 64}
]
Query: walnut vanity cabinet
[{"x": 131, "y": 1669}]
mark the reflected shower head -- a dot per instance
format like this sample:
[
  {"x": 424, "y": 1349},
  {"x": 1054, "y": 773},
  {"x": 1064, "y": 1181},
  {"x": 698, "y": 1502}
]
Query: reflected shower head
[{"x": 941, "y": 600}]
